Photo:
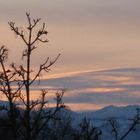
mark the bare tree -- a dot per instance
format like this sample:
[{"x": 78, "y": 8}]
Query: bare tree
[
  {"x": 6, "y": 79},
  {"x": 116, "y": 130},
  {"x": 34, "y": 117},
  {"x": 87, "y": 131}
]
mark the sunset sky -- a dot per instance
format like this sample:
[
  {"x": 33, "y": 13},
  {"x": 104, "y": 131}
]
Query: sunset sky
[{"x": 90, "y": 34}]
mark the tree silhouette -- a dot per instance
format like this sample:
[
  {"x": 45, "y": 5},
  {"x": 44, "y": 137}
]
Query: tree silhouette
[
  {"x": 29, "y": 122},
  {"x": 87, "y": 131},
  {"x": 135, "y": 121}
]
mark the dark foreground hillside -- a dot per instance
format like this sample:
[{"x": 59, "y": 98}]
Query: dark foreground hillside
[{"x": 69, "y": 125}]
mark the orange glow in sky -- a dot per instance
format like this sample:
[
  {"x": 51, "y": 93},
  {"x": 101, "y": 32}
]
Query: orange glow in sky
[
  {"x": 94, "y": 35},
  {"x": 91, "y": 35}
]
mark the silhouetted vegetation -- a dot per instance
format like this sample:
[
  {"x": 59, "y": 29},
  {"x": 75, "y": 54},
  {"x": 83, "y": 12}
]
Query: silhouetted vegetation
[
  {"x": 24, "y": 118},
  {"x": 115, "y": 129},
  {"x": 29, "y": 122}
]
